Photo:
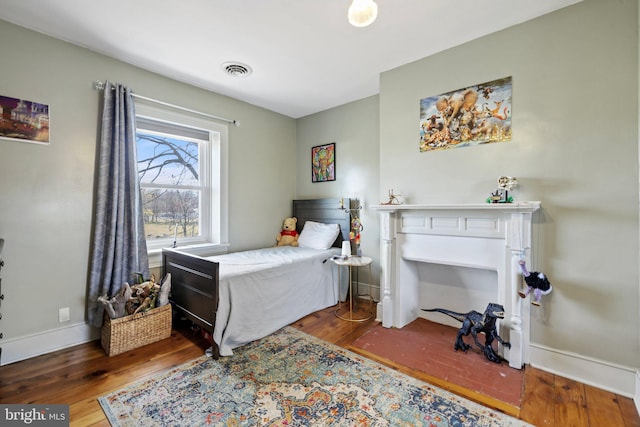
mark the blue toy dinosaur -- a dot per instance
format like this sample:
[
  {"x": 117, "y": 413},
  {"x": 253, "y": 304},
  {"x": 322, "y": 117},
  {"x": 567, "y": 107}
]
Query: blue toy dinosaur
[{"x": 474, "y": 323}]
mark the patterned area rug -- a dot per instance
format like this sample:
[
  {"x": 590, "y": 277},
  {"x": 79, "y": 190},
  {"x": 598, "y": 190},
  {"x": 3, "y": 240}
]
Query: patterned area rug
[{"x": 291, "y": 379}]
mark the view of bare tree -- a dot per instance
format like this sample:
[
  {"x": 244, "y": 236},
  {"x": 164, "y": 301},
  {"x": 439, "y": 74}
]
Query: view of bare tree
[
  {"x": 165, "y": 163},
  {"x": 166, "y": 153}
]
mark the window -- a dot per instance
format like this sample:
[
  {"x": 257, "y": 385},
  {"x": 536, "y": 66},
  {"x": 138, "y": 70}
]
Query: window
[{"x": 182, "y": 170}]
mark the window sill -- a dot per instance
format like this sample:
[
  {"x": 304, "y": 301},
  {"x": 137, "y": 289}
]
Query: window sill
[{"x": 203, "y": 249}]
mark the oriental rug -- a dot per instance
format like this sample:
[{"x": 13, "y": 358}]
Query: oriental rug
[
  {"x": 428, "y": 347},
  {"x": 291, "y": 379}
]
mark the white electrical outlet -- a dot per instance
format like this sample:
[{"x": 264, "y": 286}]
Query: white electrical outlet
[{"x": 64, "y": 315}]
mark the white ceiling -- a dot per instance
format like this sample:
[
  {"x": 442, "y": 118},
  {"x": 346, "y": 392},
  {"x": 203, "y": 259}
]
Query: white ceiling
[{"x": 304, "y": 54}]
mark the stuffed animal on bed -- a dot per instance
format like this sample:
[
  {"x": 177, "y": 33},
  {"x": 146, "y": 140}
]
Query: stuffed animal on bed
[
  {"x": 288, "y": 236},
  {"x": 536, "y": 283}
]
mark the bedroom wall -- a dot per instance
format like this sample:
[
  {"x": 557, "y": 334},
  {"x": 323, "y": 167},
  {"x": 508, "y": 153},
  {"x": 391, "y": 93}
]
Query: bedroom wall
[
  {"x": 574, "y": 147},
  {"x": 575, "y": 118},
  {"x": 354, "y": 127},
  {"x": 46, "y": 192}
]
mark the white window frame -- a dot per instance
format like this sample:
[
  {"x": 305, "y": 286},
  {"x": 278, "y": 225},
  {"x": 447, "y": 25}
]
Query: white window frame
[{"x": 215, "y": 235}]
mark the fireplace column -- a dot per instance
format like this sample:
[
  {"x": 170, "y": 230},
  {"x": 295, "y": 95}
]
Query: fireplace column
[
  {"x": 519, "y": 248},
  {"x": 387, "y": 254}
]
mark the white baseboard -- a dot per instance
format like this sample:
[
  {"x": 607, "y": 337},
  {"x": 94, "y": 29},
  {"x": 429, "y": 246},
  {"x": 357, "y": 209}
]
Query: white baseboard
[
  {"x": 636, "y": 398},
  {"x": 379, "y": 312},
  {"x": 622, "y": 380},
  {"x": 28, "y": 346}
]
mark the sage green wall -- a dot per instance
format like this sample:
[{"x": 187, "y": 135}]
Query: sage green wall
[
  {"x": 574, "y": 147},
  {"x": 46, "y": 192},
  {"x": 354, "y": 127}
]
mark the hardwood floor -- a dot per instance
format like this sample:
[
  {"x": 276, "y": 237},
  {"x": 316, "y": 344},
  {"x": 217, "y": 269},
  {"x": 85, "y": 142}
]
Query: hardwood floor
[{"x": 79, "y": 375}]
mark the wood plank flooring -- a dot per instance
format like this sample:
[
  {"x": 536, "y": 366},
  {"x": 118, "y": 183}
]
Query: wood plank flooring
[{"x": 79, "y": 375}]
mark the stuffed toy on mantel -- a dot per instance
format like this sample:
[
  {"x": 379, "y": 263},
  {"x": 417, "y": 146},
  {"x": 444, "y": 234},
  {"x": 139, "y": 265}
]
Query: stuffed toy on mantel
[{"x": 288, "y": 236}]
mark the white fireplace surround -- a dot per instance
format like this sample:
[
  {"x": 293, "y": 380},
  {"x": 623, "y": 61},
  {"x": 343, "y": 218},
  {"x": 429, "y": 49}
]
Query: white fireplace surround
[{"x": 491, "y": 237}]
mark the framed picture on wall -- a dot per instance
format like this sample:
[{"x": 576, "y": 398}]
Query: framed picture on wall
[
  {"x": 466, "y": 117},
  {"x": 323, "y": 163},
  {"x": 22, "y": 120}
]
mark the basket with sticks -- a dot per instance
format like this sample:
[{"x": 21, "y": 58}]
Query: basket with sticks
[{"x": 133, "y": 331}]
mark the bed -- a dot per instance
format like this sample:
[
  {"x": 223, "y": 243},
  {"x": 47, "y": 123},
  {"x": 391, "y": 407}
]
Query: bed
[{"x": 243, "y": 296}]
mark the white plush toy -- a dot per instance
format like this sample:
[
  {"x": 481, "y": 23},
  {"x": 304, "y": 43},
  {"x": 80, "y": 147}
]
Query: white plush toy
[
  {"x": 165, "y": 289},
  {"x": 115, "y": 306}
]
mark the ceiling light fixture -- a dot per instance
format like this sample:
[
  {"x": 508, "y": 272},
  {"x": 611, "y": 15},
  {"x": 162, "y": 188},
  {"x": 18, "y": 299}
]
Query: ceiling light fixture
[{"x": 362, "y": 12}]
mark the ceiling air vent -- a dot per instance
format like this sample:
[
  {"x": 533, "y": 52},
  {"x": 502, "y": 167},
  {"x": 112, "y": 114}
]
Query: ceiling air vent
[{"x": 236, "y": 69}]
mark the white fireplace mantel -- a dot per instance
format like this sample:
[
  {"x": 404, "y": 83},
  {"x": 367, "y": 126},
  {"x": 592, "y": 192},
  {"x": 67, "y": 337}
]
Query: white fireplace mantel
[{"x": 486, "y": 236}]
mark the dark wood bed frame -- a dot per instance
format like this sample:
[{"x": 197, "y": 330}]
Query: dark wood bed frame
[{"x": 194, "y": 280}]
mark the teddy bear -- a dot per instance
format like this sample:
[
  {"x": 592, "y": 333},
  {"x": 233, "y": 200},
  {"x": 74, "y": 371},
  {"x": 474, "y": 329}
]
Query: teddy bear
[
  {"x": 536, "y": 283},
  {"x": 288, "y": 236}
]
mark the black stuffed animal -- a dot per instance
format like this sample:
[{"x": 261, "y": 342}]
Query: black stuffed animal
[{"x": 536, "y": 283}]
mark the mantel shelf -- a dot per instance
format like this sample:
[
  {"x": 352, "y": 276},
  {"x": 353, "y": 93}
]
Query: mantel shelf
[{"x": 529, "y": 206}]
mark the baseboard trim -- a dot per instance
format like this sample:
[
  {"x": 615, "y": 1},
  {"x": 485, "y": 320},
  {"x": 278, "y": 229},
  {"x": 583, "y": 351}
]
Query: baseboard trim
[
  {"x": 618, "y": 379},
  {"x": 637, "y": 396},
  {"x": 28, "y": 346}
]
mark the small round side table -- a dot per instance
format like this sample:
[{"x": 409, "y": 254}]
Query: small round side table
[{"x": 353, "y": 262}]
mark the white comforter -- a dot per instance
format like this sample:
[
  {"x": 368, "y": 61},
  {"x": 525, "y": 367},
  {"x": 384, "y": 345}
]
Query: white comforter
[{"x": 264, "y": 290}]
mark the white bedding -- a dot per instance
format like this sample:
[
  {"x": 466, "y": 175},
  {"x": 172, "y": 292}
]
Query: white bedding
[{"x": 264, "y": 290}]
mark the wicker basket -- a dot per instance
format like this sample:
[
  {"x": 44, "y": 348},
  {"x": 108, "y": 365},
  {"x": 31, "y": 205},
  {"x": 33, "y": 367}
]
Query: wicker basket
[{"x": 129, "y": 332}]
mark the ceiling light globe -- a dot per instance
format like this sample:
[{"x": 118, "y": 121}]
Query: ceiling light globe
[{"x": 362, "y": 12}]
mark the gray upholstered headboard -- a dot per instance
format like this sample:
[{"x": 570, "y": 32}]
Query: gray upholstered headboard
[{"x": 328, "y": 211}]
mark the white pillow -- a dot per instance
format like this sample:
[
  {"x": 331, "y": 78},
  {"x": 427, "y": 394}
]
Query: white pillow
[{"x": 317, "y": 235}]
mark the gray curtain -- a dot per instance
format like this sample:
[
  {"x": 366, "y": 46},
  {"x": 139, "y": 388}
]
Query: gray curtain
[{"x": 119, "y": 246}]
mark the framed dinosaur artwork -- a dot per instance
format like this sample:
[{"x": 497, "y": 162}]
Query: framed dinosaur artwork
[{"x": 466, "y": 117}]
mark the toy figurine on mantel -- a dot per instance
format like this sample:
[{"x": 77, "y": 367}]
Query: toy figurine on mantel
[
  {"x": 501, "y": 195},
  {"x": 393, "y": 199}
]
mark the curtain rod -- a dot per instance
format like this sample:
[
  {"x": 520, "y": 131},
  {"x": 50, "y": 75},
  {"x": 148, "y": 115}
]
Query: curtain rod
[{"x": 99, "y": 85}]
